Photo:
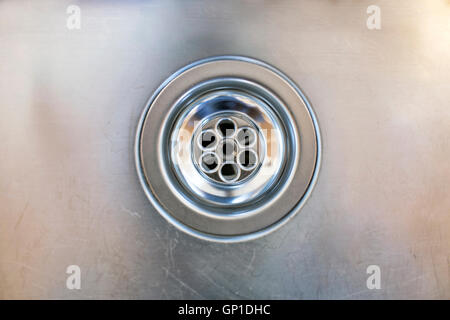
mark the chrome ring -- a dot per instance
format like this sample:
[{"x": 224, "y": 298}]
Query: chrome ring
[
  {"x": 232, "y": 200},
  {"x": 206, "y": 113}
]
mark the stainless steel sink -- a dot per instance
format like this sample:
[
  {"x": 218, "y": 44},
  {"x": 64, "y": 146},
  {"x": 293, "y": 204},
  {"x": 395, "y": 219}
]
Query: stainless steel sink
[{"x": 70, "y": 103}]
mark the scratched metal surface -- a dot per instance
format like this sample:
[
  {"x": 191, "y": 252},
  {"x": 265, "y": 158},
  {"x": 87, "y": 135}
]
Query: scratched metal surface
[{"x": 69, "y": 106}]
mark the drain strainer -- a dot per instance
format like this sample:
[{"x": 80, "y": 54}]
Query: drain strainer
[{"x": 228, "y": 149}]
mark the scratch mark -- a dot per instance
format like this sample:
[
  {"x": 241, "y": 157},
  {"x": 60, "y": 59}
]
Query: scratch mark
[
  {"x": 250, "y": 265},
  {"x": 223, "y": 288},
  {"x": 181, "y": 282},
  {"x": 356, "y": 293},
  {"x": 171, "y": 246},
  {"x": 19, "y": 221},
  {"x": 131, "y": 213}
]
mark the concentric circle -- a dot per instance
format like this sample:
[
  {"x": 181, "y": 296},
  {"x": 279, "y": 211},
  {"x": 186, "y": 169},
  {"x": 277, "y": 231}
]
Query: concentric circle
[
  {"x": 229, "y": 172},
  {"x": 209, "y": 162},
  {"x": 228, "y": 149},
  {"x": 225, "y": 112},
  {"x": 232, "y": 127}
]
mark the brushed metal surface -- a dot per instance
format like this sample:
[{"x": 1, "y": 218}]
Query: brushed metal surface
[{"x": 70, "y": 101}]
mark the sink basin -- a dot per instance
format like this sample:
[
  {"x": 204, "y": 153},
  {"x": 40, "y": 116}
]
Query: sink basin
[{"x": 74, "y": 81}]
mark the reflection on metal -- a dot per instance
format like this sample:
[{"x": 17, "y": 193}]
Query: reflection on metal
[{"x": 219, "y": 145}]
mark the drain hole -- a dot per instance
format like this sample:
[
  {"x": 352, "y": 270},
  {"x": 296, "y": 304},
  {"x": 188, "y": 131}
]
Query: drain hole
[
  {"x": 229, "y": 172},
  {"x": 207, "y": 139},
  {"x": 209, "y": 162},
  {"x": 248, "y": 159},
  {"x": 226, "y": 127},
  {"x": 246, "y": 137}
]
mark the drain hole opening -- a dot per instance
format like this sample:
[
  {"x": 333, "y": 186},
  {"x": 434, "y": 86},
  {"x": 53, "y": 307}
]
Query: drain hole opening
[
  {"x": 207, "y": 139},
  {"x": 209, "y": 162},
  {"x": 226, "y": 127},
  {"x": 229, "y": 172},
  {"x": 248, "y": 159},
  {"x": 246, "y": 137}
]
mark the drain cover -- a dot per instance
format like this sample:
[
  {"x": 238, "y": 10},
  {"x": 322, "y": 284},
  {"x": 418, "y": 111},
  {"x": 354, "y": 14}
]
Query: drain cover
[{"x": 228, "y": 149}]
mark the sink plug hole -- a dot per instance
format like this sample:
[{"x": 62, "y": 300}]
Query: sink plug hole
[
  {"x": 248, "y": 159},
  {"x": 246, "y": 137},
  {"x": 208, "y": 139},
  {"x": 209, "y": 162},
  {"x": 226, "y": 127},
  {"x": 229, "y": 172}
]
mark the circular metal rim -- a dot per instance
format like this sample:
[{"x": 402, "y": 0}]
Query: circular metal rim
[
  {"x": 194, "y": 211},
  {"x": 181, "y": 110},
  {"x": 239, "y": 237}
]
